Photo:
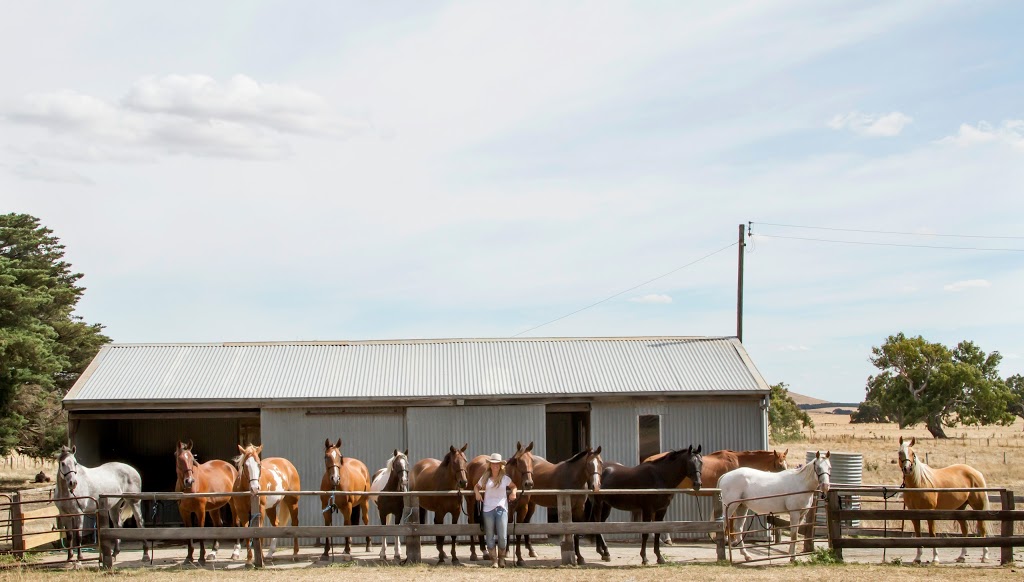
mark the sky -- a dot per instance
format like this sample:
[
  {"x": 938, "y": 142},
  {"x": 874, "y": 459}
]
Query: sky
[{"x": 279, "y": 171}]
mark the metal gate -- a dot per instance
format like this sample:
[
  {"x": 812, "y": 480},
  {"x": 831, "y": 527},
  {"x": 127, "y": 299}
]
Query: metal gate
[
  {"x": 767, "y": 528},
  {"x": 32, "y": 533}
]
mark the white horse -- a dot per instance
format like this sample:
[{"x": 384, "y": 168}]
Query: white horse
[
  {"x": 394, "y": 476},
  {"x": 78, "y": 493},
  {"x": 795, "y": 489}
]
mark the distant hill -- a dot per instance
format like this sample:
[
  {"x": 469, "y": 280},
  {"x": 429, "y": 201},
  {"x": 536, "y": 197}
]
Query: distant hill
[
  {"x": 802, "y": 400},
  {"x": 811, "y": 403}
]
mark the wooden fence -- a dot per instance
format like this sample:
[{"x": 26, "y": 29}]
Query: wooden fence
[
  {"x": 411, "y": 529},
  {"x": 841, "y": 538}
]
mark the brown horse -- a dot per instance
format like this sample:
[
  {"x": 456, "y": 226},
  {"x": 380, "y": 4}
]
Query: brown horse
[
  {"x": 271, "y": 474},
  {"x": 518, "y": 467},
  {"x": 209, "y": 477},
  {"x": 341, "y": 474},
  {"x": 721, "y": 462},
  {"x": 664, "y": 473},
  {"x": 444, "y": 475},
  {"x": 581, "y": 471},
  {"x": 918, "y": 475}
]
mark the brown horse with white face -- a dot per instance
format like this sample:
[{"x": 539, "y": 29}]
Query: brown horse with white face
[
  {"x": 919, "y": 475},
  {"x": 445, "y": 475},
  {"x": 270, "y": 474},
  {"x": 580, "y": 471},
  {"x": 343, "y": 474},
  {"x": 210, "y": 477}
]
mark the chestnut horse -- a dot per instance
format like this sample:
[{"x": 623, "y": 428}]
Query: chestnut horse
[
  {"x": 394, "y": 476},
  {"x": 664, "y": 473},
  {"x": 919, "y": 475},
  {"x": 210, "y": 477},
  {"x": 444, "y": 475},
  {"x": 580, "y": 471},
  {"x": 519, "y": 464},
  {"x": 341, "y": 474},
  {"x": 719, "y": 463},
  {"x": 271, "y": 474}
]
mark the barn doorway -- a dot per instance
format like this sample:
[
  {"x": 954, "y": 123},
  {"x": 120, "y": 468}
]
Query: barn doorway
[{"x": 567, "y": 431}]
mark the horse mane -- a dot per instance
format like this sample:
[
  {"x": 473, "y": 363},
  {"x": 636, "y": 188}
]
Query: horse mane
[
  {"x": 237, "y": 460},
  {"x": 923, "y": 474},
  {"x": 576, "y": 457}
]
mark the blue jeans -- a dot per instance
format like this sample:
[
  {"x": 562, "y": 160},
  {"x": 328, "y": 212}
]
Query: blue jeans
[{"x": 496, "y": 522}]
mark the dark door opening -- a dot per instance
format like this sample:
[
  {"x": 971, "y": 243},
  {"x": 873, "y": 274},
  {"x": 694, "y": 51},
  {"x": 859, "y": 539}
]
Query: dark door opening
[{"x": 568, "y": 432}]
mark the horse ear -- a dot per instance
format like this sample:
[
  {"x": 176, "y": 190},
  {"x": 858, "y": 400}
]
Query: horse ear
[
  {"x": 327, "y": 443},
  {"x": 73, "y": 449},
  {"x": 464, "y": 447},
  {"x": 241, "y": 450},
  {"x": 452, "y": 449},
  {"x": 785, "y": 453},
  {"x": 817, "y": 455},
  {"x": 913, "y": 441},
  {"x": 395, "y": 454},
  {"x": 530, "y": 447},
  {"x": 259, "y": 449},
  {"x": 828, "y": 454},
  {"x": 699, "y": 447},
  {"x": 690, "y": 450},
  {"x": 190, "y": 444},
  {"x": 339, "y": 443},
  {"x": 901, "y": 439},
  {"x": 406, "y": 453},
  {"x": 597, "y": 451},
  {"x": 519, "y": 445}
]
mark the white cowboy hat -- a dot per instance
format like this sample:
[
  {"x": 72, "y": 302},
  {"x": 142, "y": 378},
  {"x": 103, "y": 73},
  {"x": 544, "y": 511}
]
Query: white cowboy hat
[{"x": 496, "y": 458}]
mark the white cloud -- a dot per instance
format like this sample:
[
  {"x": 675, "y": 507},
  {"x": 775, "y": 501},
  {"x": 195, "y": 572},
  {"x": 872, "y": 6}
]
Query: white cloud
[
  {"x": 968, "y": 284},
  {"x": 35, "y": 170},
  {"x": 793, "y": 348},
  {"x": 1011, "y": 132},
  {"x": 653, "y": 298},
  {"x": 179, "y": 114},
  {"x": 870, "y": 124}
]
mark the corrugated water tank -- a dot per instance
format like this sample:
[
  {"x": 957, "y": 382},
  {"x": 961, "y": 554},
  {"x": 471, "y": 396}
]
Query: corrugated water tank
[{"x": 847, "y": 469}]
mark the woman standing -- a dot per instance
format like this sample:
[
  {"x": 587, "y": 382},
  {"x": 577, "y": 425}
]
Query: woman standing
[{"x": 492, "y": 486}]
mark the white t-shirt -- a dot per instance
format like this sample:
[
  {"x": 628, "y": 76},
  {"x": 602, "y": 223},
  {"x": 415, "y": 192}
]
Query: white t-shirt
[{"x": 494, "y": 495}]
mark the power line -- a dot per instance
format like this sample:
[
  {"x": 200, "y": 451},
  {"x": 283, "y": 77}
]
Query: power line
[
  {"x": 881, "y": 244},
  {"x": 691, "y": 263},
  {"x": 886, "y": 231}
]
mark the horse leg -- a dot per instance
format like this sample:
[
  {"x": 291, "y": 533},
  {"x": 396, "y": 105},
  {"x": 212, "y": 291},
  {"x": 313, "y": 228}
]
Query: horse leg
[
  {"x": 136, "y": 506},
  {"x": 659, "y": 515},
  {"x": 186, "y": 520},
  {"x": 398, "y": 539},
  {"x": 200, "y": 523},
  {"x": 982, "y": 527},
  {"x": 644, "y": 517},
  {"x": 742, "y": 526},
  {"x": 364, "y": 512},
  {"x": 439, "y": 540},
  {"x": 346, "y": 513},
  {"x": 384, "y": 517},
  {"x": 272, "y": 518},
  {"x": 455, "y": 519},
  {"x": 602, "y": 511},
  {"x": 473, "y": 518},
  {"x": 114, "y": 513},
  {"x": 215, "y": 517},
  {"x": 963, "y": 531},
  {"x": 931, "y": 532},
  {"x": 328, "y": 521},
  {"x": 795, "y": 519},
  {"x": 293, "y": 516},
  {"x": 530, "y": 510}
]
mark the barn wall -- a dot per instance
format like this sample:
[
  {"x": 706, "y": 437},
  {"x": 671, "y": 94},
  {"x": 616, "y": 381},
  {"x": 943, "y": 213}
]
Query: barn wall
[
  {"x": 715, "y": 424},
  {"x": 298, "y": 435}
]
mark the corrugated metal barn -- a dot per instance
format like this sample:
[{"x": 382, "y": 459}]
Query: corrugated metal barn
[{"x": 633, "y": 396}]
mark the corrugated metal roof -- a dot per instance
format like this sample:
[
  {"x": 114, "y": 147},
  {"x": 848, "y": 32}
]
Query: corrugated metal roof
[{"x": 414, "y": 369}]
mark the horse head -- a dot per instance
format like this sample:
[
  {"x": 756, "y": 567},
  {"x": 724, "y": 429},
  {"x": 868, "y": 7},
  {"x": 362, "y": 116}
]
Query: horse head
[
  {"x": 823, "y": 470},
  {"x": 521, "y": 462},
  {"x": 595, "y": 466},
  {"x": 67, "y": 467},
  {"x": 400, "y": 469},
  {"x": 248, "y": 462},
  {"x": 332, "y": 461},
  {"x": 184, "y": 465},
  {"x": 693, "y": 464},
  {"x": 456, "y": 463},
  {"x": 780, "y": 461},
  {"x": 907, "y": 455}
]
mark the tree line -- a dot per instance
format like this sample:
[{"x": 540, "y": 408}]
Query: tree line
[{"x": 44, "y": 345}]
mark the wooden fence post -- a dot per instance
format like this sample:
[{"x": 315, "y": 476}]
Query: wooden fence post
[
  {"x": 834, "y": 525},
  {"x": 720, "y": 541},
  {"x": 412, "y": 543},
  {"x": 809, "y": 524},
  {"x": 105, "y": 546},
  {"x": 1006, "y": 527},
  {"x": 17, "y": 526},
  {"x": 565, "y": 516}
]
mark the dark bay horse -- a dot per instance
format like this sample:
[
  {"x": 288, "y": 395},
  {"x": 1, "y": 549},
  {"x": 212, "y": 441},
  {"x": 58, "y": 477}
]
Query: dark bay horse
[
  {"x": 664, "y": 473},
  {"x": 270, "y": 474},
  {"x": 519, "y": 464},
  {"x": 919, "y": 475},
  {"x": 581, "y": 471},
  {"x": 343, "y": 474},
  {"x": 445, "y": 475},
  {"x": 721, "y": 462},
  {"x": 210, "y": 477},
  {"x": 394, "y": 476}
]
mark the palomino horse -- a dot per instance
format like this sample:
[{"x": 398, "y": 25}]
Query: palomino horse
[
  {"x": 271, "y": 474},
  {"x": 518, "y": 467},
  {"x": 394, "y": 476},
  {"x": 343, "y": 474},
  {"x": 580, "y": 471},
  {"x": 444, "y": 475},
  {"x": 664, "y": 473},
  {"x": 209, "y": 477},
  {"x": 719, "y": 463},
  {"x": 918, "y": 475},
  {"x": 78, "y": 492},
  {"x": 762, "y": 492}
]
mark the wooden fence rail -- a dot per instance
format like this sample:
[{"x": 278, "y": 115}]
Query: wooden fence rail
[
  {"x": 412, "y": 529},
  {"x": 840, "y": 539}
]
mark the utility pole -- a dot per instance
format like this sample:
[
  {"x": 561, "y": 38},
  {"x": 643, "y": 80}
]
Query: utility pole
[{"x": 739, "y": 287}]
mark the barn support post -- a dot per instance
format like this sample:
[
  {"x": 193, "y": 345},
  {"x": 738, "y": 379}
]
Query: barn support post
[
  {"x": 565, "y": 516},
  {"x": 412, "y": 543},
  {"x": 834, "y": 531},
  {"x": 1006, "y": 527}
]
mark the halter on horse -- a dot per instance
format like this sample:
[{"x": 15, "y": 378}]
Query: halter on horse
[
  {"x": 445, "y": 475},
  {"x": 270, "y": 474},
  {"x": 394, "y": 476},
  {"x": 210, "y": 477},
  {"x": 343, "y": 474}
]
